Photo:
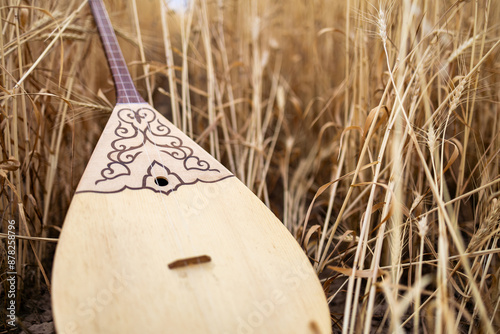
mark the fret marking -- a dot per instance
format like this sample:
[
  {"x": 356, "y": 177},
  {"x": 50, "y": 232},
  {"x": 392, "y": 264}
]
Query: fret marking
[{"x": 125, "y": 89}]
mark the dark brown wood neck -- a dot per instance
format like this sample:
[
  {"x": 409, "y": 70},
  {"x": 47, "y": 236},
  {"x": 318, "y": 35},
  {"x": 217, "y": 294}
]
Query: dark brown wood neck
[{"x": 125, "y": 88}]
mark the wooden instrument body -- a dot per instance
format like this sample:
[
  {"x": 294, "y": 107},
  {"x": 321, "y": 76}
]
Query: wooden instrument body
[
  {"x": 112, "y": 274},
  {"x": 161, "y": 238}
]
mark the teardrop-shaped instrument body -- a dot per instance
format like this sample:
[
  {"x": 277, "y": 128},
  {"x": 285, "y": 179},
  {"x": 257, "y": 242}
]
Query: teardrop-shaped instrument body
[{"x": 161, "y": 238}]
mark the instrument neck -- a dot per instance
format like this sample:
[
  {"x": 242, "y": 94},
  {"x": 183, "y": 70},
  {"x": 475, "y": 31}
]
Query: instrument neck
[{"x": 126, "y": 92}]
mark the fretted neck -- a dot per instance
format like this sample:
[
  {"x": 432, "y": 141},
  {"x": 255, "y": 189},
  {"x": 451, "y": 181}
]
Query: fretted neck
[{"x": 125, "y": 88}]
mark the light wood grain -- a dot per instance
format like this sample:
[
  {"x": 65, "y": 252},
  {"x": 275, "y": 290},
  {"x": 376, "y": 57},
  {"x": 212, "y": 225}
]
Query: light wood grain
[{"x": 111, "y": 272}]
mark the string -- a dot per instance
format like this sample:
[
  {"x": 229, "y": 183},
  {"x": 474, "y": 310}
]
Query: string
[
  {"x": 109, "y": 39},
  {"x": 115, "y": 55}
]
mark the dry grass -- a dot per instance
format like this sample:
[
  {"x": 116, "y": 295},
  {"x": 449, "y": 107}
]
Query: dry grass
[{"x": 369, "y": 127}]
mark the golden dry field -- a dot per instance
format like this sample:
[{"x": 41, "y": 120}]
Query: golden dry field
[{"x": 371, "y": 128}]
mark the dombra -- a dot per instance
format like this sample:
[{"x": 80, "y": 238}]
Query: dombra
[{"x": 161, "y": 238}]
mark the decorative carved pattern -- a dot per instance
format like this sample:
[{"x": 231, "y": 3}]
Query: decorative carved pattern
[{"x": 144, "y": 147}]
